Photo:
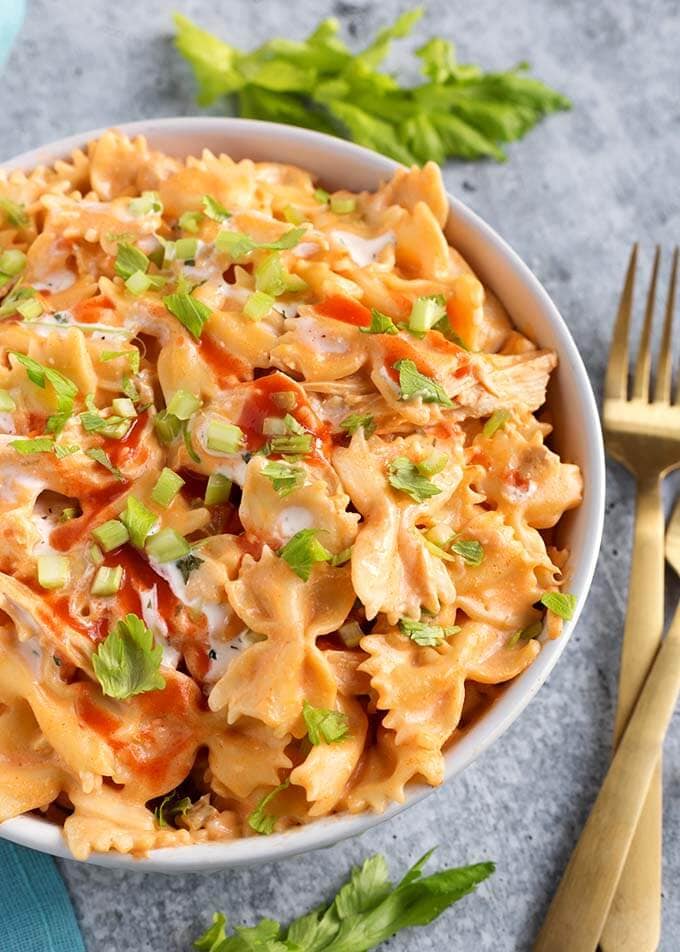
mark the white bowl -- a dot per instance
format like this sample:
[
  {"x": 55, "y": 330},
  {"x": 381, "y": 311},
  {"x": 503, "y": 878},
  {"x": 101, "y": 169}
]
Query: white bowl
[{"x": 578, "y": 438}]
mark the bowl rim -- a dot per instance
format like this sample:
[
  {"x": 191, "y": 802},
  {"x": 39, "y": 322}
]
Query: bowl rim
[{"x": 47, "y": 837}]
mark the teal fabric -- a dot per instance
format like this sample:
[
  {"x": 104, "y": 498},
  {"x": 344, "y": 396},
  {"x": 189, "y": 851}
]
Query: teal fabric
[
  {"x": 11, "y": 18},
  {"x": 36, "y": 914}
]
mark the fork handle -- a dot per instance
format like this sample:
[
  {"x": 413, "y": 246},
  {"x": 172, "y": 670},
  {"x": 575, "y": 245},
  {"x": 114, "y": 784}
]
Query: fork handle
[
  {"x": 634, "y": 921},
  {"x": 579, "y": 908}
]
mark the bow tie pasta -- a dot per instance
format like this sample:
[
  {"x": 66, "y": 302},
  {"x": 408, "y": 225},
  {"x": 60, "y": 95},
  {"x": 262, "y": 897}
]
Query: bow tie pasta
[{"x": 277, "y": 517}]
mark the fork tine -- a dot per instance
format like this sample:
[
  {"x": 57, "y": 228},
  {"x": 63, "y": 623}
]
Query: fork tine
[
  {"x": 616, "y": 380},
  {"x": 662, "y": 389},
  {"x": 643, "y": 365}
]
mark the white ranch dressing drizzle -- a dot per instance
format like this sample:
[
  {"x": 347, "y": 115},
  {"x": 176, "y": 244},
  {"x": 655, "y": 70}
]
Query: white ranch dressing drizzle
[
  {"x": 157, "y": 624},
  {"x": 362, "y": 251},
  {"x": 292, "y": 520},
  {"x": 318, "y": 339}
]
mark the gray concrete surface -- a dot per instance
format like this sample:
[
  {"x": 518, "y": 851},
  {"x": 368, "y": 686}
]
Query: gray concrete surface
[{"x": 572, "y": 197}]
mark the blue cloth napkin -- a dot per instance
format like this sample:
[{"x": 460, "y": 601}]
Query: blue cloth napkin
[
  {"x": 11, "y": 18},
  {"x": 36, "y": 914}
]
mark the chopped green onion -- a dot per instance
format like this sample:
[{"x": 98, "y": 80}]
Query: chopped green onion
[
  {"x": 292, "y": 445},
  {"x": 138, "y": 520},
  {"x": 167, "y": 426},
  {"x": 496, "y": 422},
  {"x": 14, "y": 212},
  {"x": 351, "y": 634},
  {"x": 146, "y": 203},
  {"x": 295, "y": 284},
  {"x": 223, "y": 437},
  {"x": 124, "y": 407},
  {"x": 190, "y": 221},
  {"x": 270, "y": 275},
  {"x": 186, "y": 249},
  {"x": 9, "y": 305},
  {"x": 129, "y": 259},
  {"x": 138, "y": 283},
  {"x": 342, "y": 206},
  {"x": 322, "y": 196},
  {"x": 12, "y": 262},
  {"x": 183, "y": 404},
  {"x": 425, "y": 313},
  {"x": 214, "y": 209},
  {"x": 7, "y": 403},
  {"x": 40, "y": 444},
  {"x": 30, "y": 309},
  {"x": 167, "y": 546},
  {"x": 102, "y": 457},
  {"x": 433, "y": 464},
  {"x": 218, "y": 489},
  {"x": 111, "y": 534},
  {"x": 107, "y": 581},
  {"x": 293, "y": 215},
  {"x": 53, "y": 571},
  {"x": 258, "y": 305},
  {"x": 167, "y": 486},
  {"x": 285, "y": 477}
]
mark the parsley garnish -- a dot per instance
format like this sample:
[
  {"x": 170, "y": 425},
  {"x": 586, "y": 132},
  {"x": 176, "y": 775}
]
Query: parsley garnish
[
  {"x": 324, "y": 726},
  {"x": 303, "y": 551},
  {"x": 367, "y": 911},
  {"x": 237, "y": 245},
  {"x": 127, "y": 662},
  {"x": 263, "y": 822},
  {"x": 470, "y": 550},
  {"x": 64, "y": 389},
  {"x": 355, "y": 421},
  {"x": 102, "y": 457},
  {"x": 189, "y": 311},
  {"x": 560, "y": 603},
  {"x": 413, "y": 384},
  {"x": 285, "y": 477},
  {"x": 425, "y": 634},
  {"x": 171, "y": 807},
  {"x": 380, "y": 324},
  {"x": 402, "y": 474}
]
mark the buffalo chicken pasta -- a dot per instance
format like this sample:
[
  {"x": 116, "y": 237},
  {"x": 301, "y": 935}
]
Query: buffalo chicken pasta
[{"x": 276, "y": 510}]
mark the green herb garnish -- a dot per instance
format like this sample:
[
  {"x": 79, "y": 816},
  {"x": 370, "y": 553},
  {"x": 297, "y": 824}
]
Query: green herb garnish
[
  {"x": 367, "y": 911},
  {"x": 324, "y": 726},
  {"x": 426, "y": 634},
  {"x": 404, "y": 475},
  {"x": 127, "y": 662},
  {"x": 457, "y": 110}
]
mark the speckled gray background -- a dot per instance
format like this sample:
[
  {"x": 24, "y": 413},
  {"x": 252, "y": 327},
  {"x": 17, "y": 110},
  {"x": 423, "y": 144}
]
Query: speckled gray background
[{"x": 570, "y": 200}]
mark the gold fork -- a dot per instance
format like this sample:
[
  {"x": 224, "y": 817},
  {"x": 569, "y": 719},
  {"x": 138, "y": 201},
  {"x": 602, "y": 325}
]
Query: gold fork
[
  {"x": 575, "y": 918},
  {"x": 644, "y": 435}
]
